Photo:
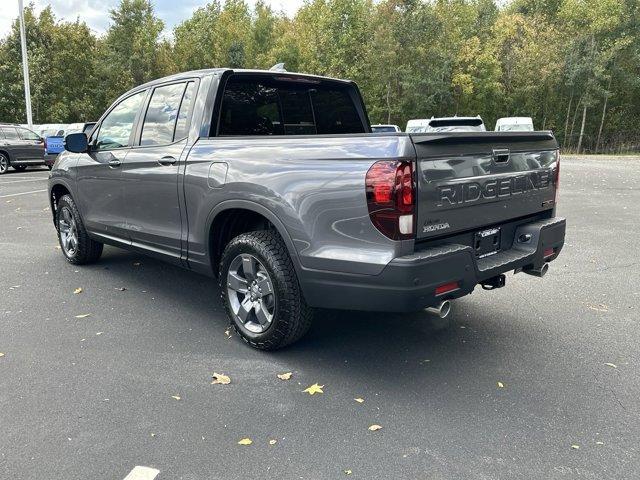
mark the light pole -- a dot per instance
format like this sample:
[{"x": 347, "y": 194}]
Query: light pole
[{"x": 25, "y": 65}]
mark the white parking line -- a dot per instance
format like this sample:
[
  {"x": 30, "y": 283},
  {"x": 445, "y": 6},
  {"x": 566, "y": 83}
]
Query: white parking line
[
  {"x": 26, "y": 180},
  {"x": 23, "y": 193},
  {"x": 142, "y": 473}
]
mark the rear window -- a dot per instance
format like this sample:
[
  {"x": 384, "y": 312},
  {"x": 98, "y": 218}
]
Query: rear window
[
  {"x": 457, "y": 125},
  {"x": 272, "y": 106}
]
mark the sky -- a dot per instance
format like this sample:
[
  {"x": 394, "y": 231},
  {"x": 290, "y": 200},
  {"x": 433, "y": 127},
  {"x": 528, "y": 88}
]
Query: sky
[{"x": 96, "y": 12}]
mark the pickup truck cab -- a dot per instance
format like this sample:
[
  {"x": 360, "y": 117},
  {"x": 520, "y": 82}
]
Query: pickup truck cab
[{"x": 272, "y": 182}]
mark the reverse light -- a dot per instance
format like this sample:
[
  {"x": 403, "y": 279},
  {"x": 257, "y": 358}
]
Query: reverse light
[{"x": 390, "y": 191}]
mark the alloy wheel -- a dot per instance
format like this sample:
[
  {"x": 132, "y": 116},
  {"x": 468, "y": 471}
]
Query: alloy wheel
[
  {"x": 250, "y": 293},
  {"x": 68, "y": 231}
]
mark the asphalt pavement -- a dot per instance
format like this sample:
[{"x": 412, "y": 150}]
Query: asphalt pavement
[{"x": 538, "y": 380}]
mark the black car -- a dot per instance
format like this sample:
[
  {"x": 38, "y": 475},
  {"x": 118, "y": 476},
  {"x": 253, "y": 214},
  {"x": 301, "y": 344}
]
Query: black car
[{"x": 19, "y": 148}]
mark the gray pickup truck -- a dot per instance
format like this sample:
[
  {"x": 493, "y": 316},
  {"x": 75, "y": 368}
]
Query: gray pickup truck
[{"x": 273, "y": 182}]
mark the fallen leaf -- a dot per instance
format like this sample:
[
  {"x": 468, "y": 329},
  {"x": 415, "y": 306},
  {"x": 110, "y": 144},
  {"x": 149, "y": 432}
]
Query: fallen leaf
[
  {"x": 601, "y": 307},
  {"x": 273, "y": 441},
  {"x": 599, "y": 443},
  {"x": 359, "y": 400},
  {"x": 284, "y": 376},
  {"x": 347, "y": 472},
  {"x": 153, "y": 434},
  {"x": 500, "y": 385},
  {"x": 375, "y": 427},
  {"x": 120, "y": 289},
  {"x": 575, "y": 447},
  {"x": 612, "y": 365},
  {"x": 77, "y": 290},
  {"x": 1, "y": 354},
  {"x": 227, "y": 332},
  {"x": 176, "y": 397},
  {"x": 99, "y": 333},
  {"x": 58, "y": 247},
  {"x": 220, "y": 378},
  {"x": 245, "y": 441},
  {"x": 84, "y": 315},
  {"x": 313, "y": 389}
]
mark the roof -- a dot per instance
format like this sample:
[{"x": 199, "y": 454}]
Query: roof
[{"x": 219, "y": 71}]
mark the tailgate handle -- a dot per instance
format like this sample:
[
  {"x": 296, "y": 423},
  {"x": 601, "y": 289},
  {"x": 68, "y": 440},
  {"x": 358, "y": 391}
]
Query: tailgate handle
[{"x": 501, "y": 155}]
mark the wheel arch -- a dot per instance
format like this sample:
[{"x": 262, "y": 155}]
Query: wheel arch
[
  {"x": 6, "y": 154},
  {"x": 223, "y": 225},
  {"x": 56, "y": 192}
]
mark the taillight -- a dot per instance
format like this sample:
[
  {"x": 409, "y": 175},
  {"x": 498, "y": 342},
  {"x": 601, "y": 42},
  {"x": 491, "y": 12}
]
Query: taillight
[
  {"x": 391, "y": 198},
  {"x": 557, "y": 179}
]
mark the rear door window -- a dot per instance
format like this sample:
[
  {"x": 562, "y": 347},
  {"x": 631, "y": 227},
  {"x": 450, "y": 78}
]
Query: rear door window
[
  {"x": 160, "y": 121},
  {"x": 271, "y": 106},
  {"x": 184, "y": 115}
]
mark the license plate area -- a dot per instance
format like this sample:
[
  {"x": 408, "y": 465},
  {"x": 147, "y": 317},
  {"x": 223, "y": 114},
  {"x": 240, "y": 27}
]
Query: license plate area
[{"x": 486, "y": 242}]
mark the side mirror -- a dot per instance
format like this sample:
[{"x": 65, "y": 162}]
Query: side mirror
[{"x": 76, "y": 143}]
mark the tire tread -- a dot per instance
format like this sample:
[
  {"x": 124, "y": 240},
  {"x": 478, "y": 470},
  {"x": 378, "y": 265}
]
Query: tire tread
[{"x": 294, "y": 315}]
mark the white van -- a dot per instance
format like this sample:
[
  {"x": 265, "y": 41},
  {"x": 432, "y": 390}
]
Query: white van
[{"x": 514, "y": 124}]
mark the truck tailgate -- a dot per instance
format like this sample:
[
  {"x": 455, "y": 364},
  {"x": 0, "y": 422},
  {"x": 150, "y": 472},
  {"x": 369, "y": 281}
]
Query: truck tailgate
[{"x": 471, "y": 181}]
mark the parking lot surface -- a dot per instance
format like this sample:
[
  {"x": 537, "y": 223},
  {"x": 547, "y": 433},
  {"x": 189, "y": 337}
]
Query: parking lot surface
[{"x": 536, "y": 380}]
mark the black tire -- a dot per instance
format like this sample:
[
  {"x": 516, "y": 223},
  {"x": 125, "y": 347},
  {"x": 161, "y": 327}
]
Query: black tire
[
  {"x": 19, "y": 168},
  {"x": 85, "y": 250},
  {"x": 4, "y": 163},
  {"x": 292, "y": 316}
]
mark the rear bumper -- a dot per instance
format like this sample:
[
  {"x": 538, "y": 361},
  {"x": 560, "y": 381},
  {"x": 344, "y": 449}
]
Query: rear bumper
[{"x": 408, "y": 283}]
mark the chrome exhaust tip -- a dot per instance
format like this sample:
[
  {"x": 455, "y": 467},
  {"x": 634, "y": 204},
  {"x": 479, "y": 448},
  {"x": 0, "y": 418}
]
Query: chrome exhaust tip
[
  {"x": 441, "y": 310},
  {"x": 541, "y": 272}
]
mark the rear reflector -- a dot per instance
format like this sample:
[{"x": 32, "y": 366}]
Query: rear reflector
[
  {"x": 447, "y": 287},
  {"x": 548, "y": 252}
]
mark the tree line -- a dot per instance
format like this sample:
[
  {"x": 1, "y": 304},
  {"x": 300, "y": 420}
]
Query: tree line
[{"x": 572, "y": 65}]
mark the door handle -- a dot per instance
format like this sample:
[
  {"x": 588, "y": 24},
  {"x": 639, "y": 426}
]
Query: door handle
[
  {"x": 115, "y": 163},
  {"x": 168, "y": 160}
]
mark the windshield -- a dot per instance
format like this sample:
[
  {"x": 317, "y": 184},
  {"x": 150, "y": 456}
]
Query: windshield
[
  {"x": 522, "y": 127},
  {"x": 379, "y": 129},
  {"x": 457, "y": 128}
]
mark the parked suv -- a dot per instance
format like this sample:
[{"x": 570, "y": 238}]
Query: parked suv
[{"x": 19, "y": 148}]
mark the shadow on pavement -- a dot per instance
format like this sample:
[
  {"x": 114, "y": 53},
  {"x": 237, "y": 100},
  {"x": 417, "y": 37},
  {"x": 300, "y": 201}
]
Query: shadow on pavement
[{"x": 371, "y": 346}]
